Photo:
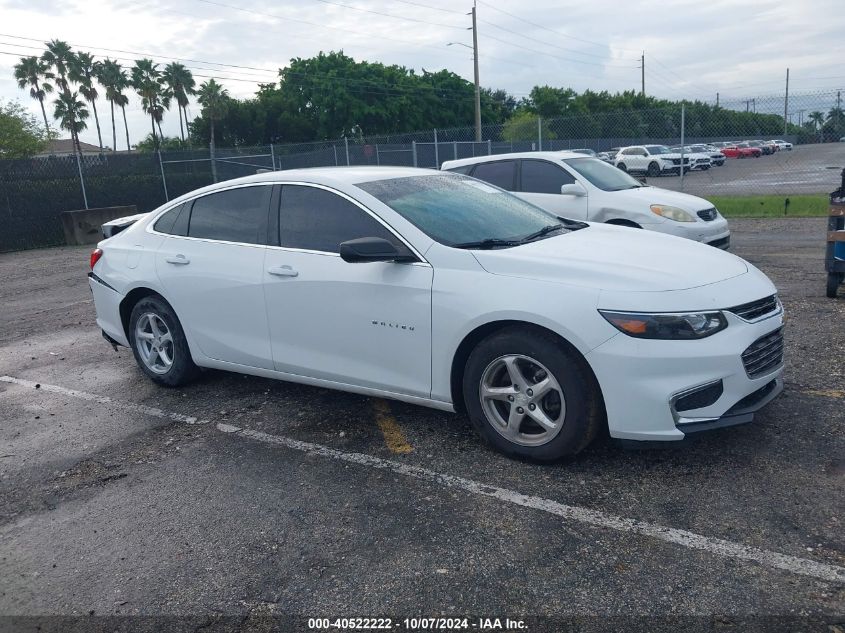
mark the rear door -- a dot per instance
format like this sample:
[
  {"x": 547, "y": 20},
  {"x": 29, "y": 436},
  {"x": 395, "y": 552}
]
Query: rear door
[
  {"x": 540, "y": 182},
  {"x": 211, "y": 266},
  {"x": 501, "y": 173}
]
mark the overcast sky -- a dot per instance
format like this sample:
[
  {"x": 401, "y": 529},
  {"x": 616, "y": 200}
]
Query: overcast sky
[{"x": 693, "y": 49}]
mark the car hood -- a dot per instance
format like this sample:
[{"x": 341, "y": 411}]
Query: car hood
[
  {"x": 615, "y": 258},
  {"x": 656, "y": 195}
]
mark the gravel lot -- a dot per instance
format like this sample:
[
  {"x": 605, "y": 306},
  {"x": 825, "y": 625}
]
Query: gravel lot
[
  {"x": 323, "y": 504},
  {"x": 805, "y": 169}
]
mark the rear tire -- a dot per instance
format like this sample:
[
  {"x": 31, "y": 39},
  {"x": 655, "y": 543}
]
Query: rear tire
[
  {"x": 158, "y": 343},
  {"x": 530, "y": 395}
]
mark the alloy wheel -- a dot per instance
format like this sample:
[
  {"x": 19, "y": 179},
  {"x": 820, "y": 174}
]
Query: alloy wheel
[
  {"x": 522, "y": 400},
  {"x": 154, "y": 343}
]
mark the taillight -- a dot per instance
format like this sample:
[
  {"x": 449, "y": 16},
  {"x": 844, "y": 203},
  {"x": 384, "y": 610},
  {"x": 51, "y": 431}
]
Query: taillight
[{"x": 96, "y": 254}]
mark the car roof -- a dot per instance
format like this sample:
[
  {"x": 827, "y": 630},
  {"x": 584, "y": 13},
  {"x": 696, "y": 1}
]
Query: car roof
[
  {"x": 474, "y": 160},
  {"x": 329, "y": 176}
]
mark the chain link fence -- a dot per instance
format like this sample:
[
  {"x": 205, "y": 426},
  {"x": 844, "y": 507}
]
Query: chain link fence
[{"x": 34, "y": 192}]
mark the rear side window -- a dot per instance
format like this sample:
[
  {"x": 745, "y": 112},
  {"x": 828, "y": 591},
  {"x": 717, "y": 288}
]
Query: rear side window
[
  {"x": 501, "y": 173},
  {"x": 318, "y": 220},
  {"x": 541, "y": 177},
  {"x": 461, "y": 170},
  {"x": 235, "y": 215},
  {"x": 169, "y": 222}
]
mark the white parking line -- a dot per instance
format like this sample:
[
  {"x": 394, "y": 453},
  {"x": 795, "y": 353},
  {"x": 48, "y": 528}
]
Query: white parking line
[
  {"x": 114, "y": 404},
  {"x": 684, "y": 538}
]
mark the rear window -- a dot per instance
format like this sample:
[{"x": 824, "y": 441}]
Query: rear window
[
  {"x": 464, "y": 169},
  {"x": 168, "y": 223},
  {"x": 234, "y": 215}
]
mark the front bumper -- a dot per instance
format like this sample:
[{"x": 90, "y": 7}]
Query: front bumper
[
  {"x": 641, "y": 381},
  {"x": 715, "y": 232}
]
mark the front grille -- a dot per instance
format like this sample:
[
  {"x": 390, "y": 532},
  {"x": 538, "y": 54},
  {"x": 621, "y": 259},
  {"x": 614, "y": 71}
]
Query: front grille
[
  {"x": 753, "y": 398},
  {"x": 708, "y": 215},
  {"x": 756, "y": 309},
  {"x": 676, "y": 161},
  {"x": 764, "y": 355}
]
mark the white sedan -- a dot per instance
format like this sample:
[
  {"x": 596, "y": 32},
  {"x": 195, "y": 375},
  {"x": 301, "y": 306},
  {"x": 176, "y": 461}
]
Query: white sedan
[
  {"x": 443, "y": 291},
  {"x": 585, "y": 188}
]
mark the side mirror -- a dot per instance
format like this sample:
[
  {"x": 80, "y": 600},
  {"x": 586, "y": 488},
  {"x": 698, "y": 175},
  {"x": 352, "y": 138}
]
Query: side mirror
[
  {"x": 373, "y": 249},
  {"x": 574, "y": 189}
]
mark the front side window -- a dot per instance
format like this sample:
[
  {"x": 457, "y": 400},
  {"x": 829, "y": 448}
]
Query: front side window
[
  {"x": 542, "y": 177},
  {"x": 318, "y": 220},
  {"x": 501, "y": 173},
  {"x": 658, "y": 149},
  {"x": 234, "y": 215},
  {"x": 455, "y": 210},
  {"x": 602, "y": 175}
]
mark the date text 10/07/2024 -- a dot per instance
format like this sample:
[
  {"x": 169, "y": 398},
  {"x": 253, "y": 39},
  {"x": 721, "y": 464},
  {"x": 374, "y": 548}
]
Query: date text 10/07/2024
[{"x": 418, "y": 624}]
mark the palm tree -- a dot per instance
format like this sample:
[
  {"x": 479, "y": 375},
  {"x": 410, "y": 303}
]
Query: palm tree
[
  {"x": 113, "y": 78},
  {"x": 83, "y": 71},
  {"x": 181, "y": 83},
  {"x": 146, "y": 79},
  {"x": 817, "y": 119},
  {"x": 60, "y": 56},
  {"x": 29, "y": 73},
  {"x": 214, "y": 100},
  {"x": 71, "y": 113}
]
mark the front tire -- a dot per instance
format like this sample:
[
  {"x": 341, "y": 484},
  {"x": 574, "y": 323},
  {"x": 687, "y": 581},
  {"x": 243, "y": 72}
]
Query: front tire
[
  {"x": 159, "y": 344},
  {"x": 622, "y": 166},
  {"x": 530, "y": 395},
  {"x": 833, "y": 281},
  {"x": 653, "y": 170}
]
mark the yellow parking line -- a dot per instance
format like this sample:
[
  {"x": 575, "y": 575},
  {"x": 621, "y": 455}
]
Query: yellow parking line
[
  {"x": 838, "y": 394},
  {"x": 393, "y": 435}
]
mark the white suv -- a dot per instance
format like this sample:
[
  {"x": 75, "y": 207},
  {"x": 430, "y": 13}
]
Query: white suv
[
  {"x": 585, "y": 188},
  {"x": 653, "y": 160}
]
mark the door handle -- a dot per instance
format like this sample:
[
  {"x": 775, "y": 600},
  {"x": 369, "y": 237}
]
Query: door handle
[
  {"x": 283, "y": 271},
  {"x": 179, "y": 260}
]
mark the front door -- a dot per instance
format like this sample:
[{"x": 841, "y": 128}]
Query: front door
[
  {"x": 540, "y": 183},
  {"x": 365, "y": 324}
]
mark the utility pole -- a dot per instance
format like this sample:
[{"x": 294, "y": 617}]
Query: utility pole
[
  {"x": 477, "y": 85},
  {"x": 754, "y": 105},
  {"x": 642, "y": 68},
  {"x": 717, "y": 99},
  {"x": 786, "y": 105}
]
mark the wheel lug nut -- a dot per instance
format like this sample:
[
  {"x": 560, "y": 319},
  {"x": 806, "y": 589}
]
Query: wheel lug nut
[
  {"x": 530, "y": 392},
  {"x": 520, "y": 410},
  {"x": 510, "y": 398},
  {"x": 532, "y": 406}
]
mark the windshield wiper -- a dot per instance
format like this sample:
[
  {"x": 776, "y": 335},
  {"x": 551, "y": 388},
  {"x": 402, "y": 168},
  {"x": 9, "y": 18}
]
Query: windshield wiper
[
  {"x": 544, "y": 231},
  {"x": 489, "y": 243}
]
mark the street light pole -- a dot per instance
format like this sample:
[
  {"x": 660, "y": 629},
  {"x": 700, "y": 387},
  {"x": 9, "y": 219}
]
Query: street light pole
[{"x": 477, "y": 85}]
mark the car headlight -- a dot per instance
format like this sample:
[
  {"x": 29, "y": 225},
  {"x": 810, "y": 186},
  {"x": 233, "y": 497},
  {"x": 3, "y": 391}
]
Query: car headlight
[
  {"x": 667, "y": 326},
  {"x": 672, "y": 213}
]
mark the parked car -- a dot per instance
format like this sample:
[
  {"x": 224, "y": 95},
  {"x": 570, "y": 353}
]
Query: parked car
[
  {"x": 741, "y": 150},
  {"x": 653, "y": 160},
  {"x": 782, "y": 145},
  {"x": 583, "y": 188},
  {"x": 607, "y": 157},
  {"x": 717, "y": 158},
  {"x": 584, "y": 151},
  {"x": 700, "y": 161},
  {"x": 443, "y": 291},
  {"x": 763, "y": 147}
]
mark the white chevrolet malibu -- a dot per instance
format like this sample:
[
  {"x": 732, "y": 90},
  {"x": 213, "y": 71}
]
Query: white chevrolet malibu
[
  {"x": 585, "y": 188},
  {"x": 443, "y": 291}
]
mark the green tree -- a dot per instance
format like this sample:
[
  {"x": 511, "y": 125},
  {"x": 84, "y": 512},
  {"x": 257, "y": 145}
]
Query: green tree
[
  {"x": 60, "y": 58},
  {"x": 523, "y": 127},
  {"x": 167, "y": 143},
  {"x": 214, "y": 100},
  {"x": 71, "y": 113},
  {"x": 20, "y": 134},
  {"x": 83, "y": 70},
  {"x": 31, "y": 72},
  {"x": 113, "y": 78},
  {"x": 181, "y": 85},
  {"x": 147, "y": 82}
]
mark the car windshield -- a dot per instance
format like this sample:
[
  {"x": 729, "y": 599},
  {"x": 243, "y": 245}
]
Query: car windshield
[
  {"x": 600, "y": 174},
  {"x": 460, "y": 211},
  {"x": 658, "y": 149}
]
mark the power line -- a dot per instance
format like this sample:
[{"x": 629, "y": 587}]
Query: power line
[
  {"x": 425, "y": 6},
  {"x": 567, "y": 59},
  {"x": 546, "y": 28},
  {"x": 388, "y": 15}
]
